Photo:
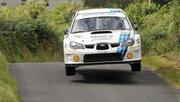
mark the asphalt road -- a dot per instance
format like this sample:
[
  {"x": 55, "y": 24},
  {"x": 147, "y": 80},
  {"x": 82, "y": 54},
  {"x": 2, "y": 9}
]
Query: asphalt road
[{"x": 46, "y": 82}]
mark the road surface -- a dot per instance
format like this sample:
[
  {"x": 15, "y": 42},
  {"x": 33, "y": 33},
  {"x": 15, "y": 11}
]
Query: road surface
[{"x": 46, "y": 82}]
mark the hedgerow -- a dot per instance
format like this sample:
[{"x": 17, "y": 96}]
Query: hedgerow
[{"x": 32, "y": 29}]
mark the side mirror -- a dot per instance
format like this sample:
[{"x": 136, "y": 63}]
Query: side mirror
[
  {"x": 135, "y": 26},
  {"x": 66, "y": 31}
]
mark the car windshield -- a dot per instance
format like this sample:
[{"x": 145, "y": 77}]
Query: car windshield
[{"x": 100, "y": 23}]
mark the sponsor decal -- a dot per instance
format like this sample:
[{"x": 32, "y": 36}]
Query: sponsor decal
[
  {"x": 111, "y": 12},
  {"x": 114, "y": 10},
  {"x": 122, "y": 39},
  {"x": 101, "y": 37}
]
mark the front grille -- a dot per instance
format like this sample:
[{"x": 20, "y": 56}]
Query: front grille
[
  {"x": 115, "y": 44},
  {"x": 102, "y": 46},
  {"x": 103, "y": 57},
  {"x": 89, "y": 46}
]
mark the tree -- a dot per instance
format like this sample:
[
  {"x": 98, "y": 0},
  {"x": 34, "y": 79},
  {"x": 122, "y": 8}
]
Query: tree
[{"x": 107, "y": 3}]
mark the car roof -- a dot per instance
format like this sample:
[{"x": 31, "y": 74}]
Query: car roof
[
  {"x": 110, "y": 12},
  {"x": 101, "y": 10}
]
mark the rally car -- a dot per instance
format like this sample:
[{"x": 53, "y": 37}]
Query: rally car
[{"x": 101, "y": 36}]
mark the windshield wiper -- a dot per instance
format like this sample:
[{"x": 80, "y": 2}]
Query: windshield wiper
[{"x": 78, "y": 31}]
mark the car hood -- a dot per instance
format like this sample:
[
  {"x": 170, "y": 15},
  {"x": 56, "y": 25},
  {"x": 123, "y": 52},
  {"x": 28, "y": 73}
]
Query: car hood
[{"x": 88, "y": 38}]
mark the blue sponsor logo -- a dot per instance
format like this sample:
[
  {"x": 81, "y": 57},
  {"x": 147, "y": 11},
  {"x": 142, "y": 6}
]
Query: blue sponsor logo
[
  {"x": 122, "y": 39},
  {"x": 114, "y": 10}
]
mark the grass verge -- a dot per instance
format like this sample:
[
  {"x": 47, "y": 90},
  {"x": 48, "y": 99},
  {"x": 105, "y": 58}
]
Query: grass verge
[
  {"x": 164, "y": 68},
  {"x": 8, "y": 90},
  {"x": 41, "y": 56}
]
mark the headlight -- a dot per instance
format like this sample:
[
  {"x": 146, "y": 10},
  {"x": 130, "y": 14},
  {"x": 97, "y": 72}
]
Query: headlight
[
  {"x": 130, "y": 42},
  {"x": 75, "y": 45}
]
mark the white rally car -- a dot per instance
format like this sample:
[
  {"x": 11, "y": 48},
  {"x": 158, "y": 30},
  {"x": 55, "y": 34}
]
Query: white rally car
[{"x": 101, "y": 36}]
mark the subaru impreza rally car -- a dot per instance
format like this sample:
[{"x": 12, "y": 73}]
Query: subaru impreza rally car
[{"x": 101, "y": 36}]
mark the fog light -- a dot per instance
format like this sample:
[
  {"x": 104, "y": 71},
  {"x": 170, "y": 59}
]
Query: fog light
[
  {"x": 129, "y": 55},
  {"x": 76, "y": 58}
]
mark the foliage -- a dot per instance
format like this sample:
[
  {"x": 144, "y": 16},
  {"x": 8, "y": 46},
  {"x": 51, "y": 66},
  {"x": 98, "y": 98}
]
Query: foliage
[
  {"x": 159, "y": 26},
  {"x": 60, "y": 17},
  {"x": 28, "y": 30},
  {"x": 8, "y": 90},
  {"x": 120, "y": 3},
  {"x": 139, "y": 10},
  {"x": 164, "y": 68},
  {"x": 171, "y": 75},
  {"x": 65, "y": 12},
  {"x": 156, "y": 62},
  {"x": 174, "y": 25},
  {"x": 106, "y": 3}
]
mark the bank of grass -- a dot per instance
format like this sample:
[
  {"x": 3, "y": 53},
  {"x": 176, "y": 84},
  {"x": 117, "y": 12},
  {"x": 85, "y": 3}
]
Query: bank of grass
[
  {"x": 164, "y": 68},
  {"x": 8, "y": 90},
  {"x": 41, "y": 56}
]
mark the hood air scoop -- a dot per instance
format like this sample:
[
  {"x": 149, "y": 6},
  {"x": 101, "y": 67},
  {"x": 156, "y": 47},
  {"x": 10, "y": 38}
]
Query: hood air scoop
[{"x": 101, "y": 32}]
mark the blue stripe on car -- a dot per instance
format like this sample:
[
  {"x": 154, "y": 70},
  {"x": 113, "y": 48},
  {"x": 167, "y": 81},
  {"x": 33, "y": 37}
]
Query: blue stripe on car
[
  {"x": 122, "y": 39},
  {"x": 120, "y": 49}
]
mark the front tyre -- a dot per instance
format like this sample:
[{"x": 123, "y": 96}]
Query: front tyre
[
  {"x": 136, "y": 67},
  {"x": 70, "y": 71}
]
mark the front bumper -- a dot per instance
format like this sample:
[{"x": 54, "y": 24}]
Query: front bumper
[
  {"x": 105, "y": 62},
  {"x": 83, "y": 60}
]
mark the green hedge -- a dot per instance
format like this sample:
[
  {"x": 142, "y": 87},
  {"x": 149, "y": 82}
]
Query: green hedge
[
  {"x": 159, "y": 26},
  {"x": 33, "y": 32}
]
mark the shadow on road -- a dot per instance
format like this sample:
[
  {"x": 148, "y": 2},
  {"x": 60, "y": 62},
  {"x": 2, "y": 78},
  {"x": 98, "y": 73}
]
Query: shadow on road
[{"x": 108, "y": 76}]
